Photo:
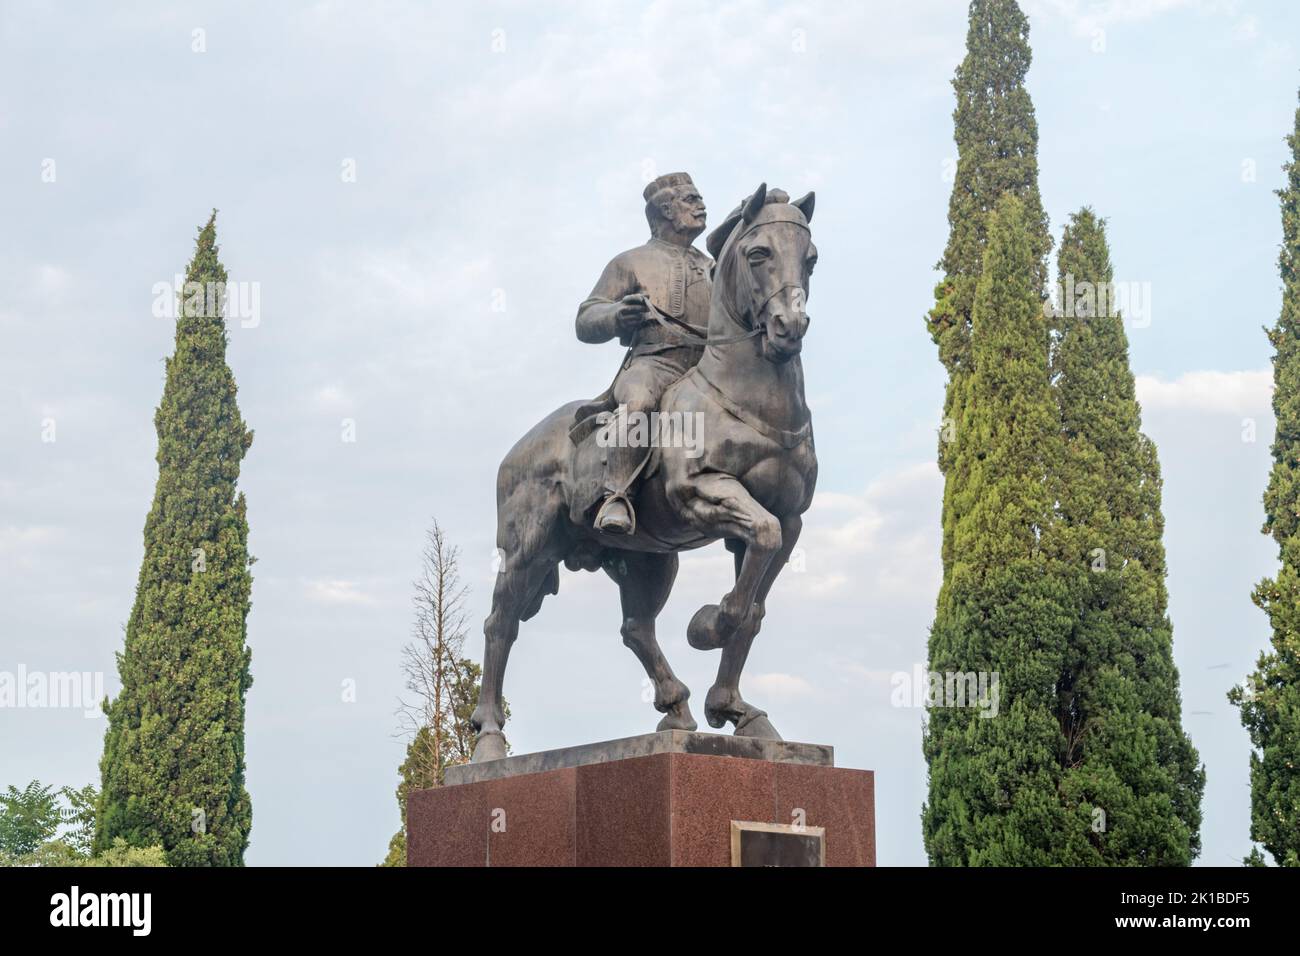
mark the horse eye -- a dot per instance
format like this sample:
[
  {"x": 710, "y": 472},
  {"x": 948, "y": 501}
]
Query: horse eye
[
  {"x": 758, "y": 254},
  {"x": 812, "y": 264}
]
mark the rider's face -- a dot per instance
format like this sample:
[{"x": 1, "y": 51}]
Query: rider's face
[{"x": 686, "y": 212}]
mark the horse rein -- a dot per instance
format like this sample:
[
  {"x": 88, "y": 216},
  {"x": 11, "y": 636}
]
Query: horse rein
[{"x": 673, "y": 324}]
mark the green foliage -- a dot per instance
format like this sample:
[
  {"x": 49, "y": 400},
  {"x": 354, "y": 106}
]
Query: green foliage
[
  {"x": 31, "y": 818},
  {"x": 50, "y": 853},
  {"x": 997, "y": 152},
  {"x": 992, "y": 779},
  {"x": 28, "y": 818},
  {"x": 1128, "y": 765},
  {"x": 121, "y": 854},
  {"x": 173, "y": 763},
  {"x": 1270, "y": 698},
  {"x": 1003, "y": 608},
  {"x": 79, "y": 818},
  {"x": 1048, "y": 480}
]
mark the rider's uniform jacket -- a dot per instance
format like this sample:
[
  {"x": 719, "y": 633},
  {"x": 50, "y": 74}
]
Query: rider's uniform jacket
[{"x": 675, "y": 279}]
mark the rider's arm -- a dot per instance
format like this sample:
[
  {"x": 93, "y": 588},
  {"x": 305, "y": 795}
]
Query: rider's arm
[{"x": 598, "y": 316}]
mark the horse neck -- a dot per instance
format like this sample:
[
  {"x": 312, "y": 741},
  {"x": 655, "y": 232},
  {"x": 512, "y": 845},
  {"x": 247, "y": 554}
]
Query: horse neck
[{"x": 772, "y": 390}]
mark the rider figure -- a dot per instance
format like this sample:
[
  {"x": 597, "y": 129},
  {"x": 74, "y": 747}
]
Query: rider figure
[{"x": 667, "y": 275}]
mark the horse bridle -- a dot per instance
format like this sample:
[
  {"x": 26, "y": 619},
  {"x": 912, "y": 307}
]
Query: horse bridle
[
  {"x": 756, "y": 310},
  {"x": 674, "y": 324}
]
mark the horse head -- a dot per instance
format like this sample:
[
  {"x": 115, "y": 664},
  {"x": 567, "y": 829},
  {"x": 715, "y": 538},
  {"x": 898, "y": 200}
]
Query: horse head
[{"x": 764, "y": 258}]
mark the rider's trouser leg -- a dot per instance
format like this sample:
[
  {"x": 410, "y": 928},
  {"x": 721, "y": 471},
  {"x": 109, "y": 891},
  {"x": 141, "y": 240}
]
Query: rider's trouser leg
[
  {"x": 637, "y": 391},
  {"x": 637, "y": 397}
]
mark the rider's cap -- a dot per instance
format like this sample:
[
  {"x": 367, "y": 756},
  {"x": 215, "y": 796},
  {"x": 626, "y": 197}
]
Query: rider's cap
[{"x": 666, "y": 181}]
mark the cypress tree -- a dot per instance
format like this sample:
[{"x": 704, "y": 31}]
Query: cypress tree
[
  {"x": 1003, "y": 608},
  {"x": 1132, "y": 785},
  {"x": 173, "y": 763},
  {"x": 997, "y": 152},
  {"x": 1270, "y": 699},
  {"x": 997, "y": 143}
]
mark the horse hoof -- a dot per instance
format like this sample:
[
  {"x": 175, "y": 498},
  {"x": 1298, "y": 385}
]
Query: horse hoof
[
  {"x": 491, "y": 745},
  {"x": 720, "y": 706},
  {"x": 679, "y": 718},
  {"x": 756, "y": 724},
  {"x": 703, "y": 632}
]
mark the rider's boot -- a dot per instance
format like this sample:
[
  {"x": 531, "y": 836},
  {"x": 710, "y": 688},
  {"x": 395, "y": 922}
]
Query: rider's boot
[
  {"x": 616, "y": 516},
  {"x": 623, "y": 464}
]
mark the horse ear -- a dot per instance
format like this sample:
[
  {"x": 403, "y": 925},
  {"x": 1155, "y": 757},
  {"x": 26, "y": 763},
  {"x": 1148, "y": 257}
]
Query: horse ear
[
  {"x": 806, "y": 205},
  {"x": 755, "y": 203}
]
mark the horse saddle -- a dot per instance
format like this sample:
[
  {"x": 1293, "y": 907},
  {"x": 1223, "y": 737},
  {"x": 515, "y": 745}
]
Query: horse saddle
[
  {"x": 588, "y": 417},
  {"x": 586, "y": 488}
]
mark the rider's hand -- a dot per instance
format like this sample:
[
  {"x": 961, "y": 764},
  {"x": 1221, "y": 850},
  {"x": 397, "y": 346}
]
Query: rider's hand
[{"x": 632, "y": 312}]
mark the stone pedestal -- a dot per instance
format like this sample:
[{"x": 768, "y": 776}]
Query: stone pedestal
[{"x": 663, "y": 799}]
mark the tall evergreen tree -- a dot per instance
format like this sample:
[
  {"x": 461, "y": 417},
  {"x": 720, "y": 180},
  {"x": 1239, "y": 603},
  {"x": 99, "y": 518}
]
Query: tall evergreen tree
[
  {"x": 997, "y": 152},
  {"x": 1132, "y": 784},
  {"x": 997, "y": 155},
  {"x": 1003, "y": 608},
  {"x": 173, "y": 763},
  {"x": 1270, "y": 699}
]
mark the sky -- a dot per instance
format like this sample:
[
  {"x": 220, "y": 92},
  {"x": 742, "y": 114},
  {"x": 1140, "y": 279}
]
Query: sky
[{"x": 421, "y": 195}]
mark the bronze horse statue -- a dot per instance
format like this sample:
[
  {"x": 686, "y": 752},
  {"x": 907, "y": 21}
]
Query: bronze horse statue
[{"x": 748, "y": 485}]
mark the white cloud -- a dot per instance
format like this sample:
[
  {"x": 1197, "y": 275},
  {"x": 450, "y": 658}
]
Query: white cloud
[
  {"x": 680, "y": 58},
  {"x": 870, "y": 556},
  {"x": 51, "y": 280},
  {"x": 18, "y": 545},
  {"x": 879, "y": 544},
  {"x": 1087, "y": 16},
  {"x": 332, "y": 398},
  {"x": 779, "y": 685},
  {"x": 1247, "y": 392},
  {"x": 337, "y": 592}
]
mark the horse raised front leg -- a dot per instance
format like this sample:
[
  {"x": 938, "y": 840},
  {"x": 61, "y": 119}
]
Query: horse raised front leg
[
  {"x": 724, "y": 696},
  {"x": 722, "y": 506}
]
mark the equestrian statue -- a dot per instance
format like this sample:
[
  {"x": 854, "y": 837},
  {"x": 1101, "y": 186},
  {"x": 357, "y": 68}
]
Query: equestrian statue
[{"x": 713, "y": 363}]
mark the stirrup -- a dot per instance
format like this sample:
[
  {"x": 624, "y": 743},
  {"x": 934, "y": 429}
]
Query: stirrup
[{"x": 631, "y": 513}]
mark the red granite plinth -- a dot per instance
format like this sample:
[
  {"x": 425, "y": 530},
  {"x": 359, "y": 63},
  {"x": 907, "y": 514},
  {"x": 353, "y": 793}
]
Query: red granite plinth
[{"x": 667, "y": 809}]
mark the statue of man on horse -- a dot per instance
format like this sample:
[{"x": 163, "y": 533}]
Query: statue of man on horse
[
  {"x": 665, "y": 277},
  {"x": 735, "y": 367}
]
